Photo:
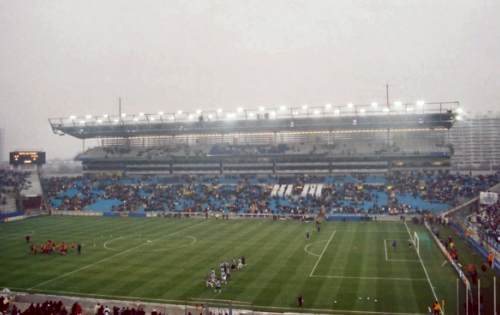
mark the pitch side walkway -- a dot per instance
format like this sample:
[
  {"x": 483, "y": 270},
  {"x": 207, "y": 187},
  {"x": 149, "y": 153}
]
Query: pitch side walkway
[{"x": 196, "y": 307}]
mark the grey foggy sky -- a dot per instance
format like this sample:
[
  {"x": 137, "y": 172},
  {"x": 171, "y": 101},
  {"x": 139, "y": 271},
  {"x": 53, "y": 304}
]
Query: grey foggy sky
[{"x": 62, "y": 57}]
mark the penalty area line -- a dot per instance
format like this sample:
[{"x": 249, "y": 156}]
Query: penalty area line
[
  {"x": 368, "y": 278},
  {"x": 423, "y": 266},
  {"x": 322, "y": 253}
]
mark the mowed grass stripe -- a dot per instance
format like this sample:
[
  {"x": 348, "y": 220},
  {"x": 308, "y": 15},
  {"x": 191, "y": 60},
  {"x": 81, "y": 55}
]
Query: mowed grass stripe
[
  {"x": 278, "y": 266},
  {"x": 185, "y": 264},
  {"x": 237, "y": 288},
  {"x": 26, "y": 264},
  {"x": 156, "y": 225},
  {"x": 43, "y": 225},
  {"x": 388, "y": 291},
  {"x": 294, "y": 269},
  {"x": 417, "y": 292},
  {"x": 268, "y": 267},
  {"x": 211, "y": 253},
  {"x": 79, "y": 281},
  {"x": 43, "y": 267},
  {"x": 105, "y": 259},
  {"x": 323, "y": 285}
]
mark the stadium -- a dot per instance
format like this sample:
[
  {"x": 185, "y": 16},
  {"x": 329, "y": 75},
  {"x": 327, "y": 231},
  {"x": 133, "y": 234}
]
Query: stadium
[
  {"x": 331, "y": 209},
  {"x": 232, "y": 157}
]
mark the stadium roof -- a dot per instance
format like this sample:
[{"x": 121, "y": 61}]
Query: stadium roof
[{"x": 277, "y": 119}]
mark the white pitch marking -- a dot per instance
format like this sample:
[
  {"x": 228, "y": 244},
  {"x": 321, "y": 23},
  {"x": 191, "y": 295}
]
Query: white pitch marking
[
  {"x": 369, "y": 278},
  {"x": 322, "y": 253},
  {"x": 385, "y": 249},
  {"x": 395, "y": 259},
  {"x": 306, "y": 248},
  {"x": 423, "y": 266},
  {"x": 105, "y": 245}
]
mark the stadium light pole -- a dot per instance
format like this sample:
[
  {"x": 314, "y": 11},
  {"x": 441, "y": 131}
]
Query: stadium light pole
[
  {"x": 478, "y": 296},
  {"x": 466, "y": 300},
  {"x": 494, "y": 295}
]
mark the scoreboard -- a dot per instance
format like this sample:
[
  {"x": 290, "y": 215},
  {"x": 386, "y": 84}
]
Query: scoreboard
[{"x": 27, "y": 158}]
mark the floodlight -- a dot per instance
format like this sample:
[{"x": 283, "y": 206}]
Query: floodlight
[
  {"x": 240, "y": 109},
  {"x": 141, "y": 114},
  {"x": 350, "y": 105},
  {"x": 198, "y": 111},
  {"x": 88, "y": 116},
  {"x": 362, "y": 110},
  {"x": 316, "y": 112},
  {"x": 105, "y": 116},
  {"x": 115, "y": 120},
  {"x": 262, "y": 108},
  {"x": 420, "y": 103},
  {"x": 251, "y": 115},
  {"x": 385, "y": 109},
  {"x": 72, "y": 117},
  {"x": 409, "y": 109},
  {"x": 179, "y": 112},
  {"x": 136, "y": 119},
  {"x": 459, "y": 110},
  {"x": 99, "y": 121},
  {"x": 219, "y": 110},
  {"x": 398, "y": 103},
  {"x": 459, "y": 118},
  {"x": 295, "y": 113},
  {"x": 82, "y": 122},
  {"x": 152, "y": 118},
  {"x": 328, "y": 106},
  {"x": 210, "y": 116},
  {"x": 160, "y": 113},
  {"x": 374, "y": 104},
  {"x": 282, "y": 107},
  {"x": 305, "y": 106},
  {"x": 190, "y": 116},
  {"x": 124, "y": 115}
]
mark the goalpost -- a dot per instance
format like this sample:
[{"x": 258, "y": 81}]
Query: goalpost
[{"x": 416, "y": 242}]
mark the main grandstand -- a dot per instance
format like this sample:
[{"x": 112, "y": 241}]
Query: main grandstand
[
  {"x": 279, "y": 145},
  {"x": 281, "y": 140}
]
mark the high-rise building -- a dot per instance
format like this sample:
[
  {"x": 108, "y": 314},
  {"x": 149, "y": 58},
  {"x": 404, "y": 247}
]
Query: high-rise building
[{"x": 476, "y": 142}]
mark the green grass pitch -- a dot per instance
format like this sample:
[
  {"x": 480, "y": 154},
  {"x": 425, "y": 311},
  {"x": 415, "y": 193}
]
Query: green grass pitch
[{"x": 348, "y": 267}]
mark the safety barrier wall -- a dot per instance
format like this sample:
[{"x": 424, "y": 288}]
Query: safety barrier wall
[
  {"x": 76, "y": 213},
  {"x": 448, "y": 257},
  {"x": 475, "y": 245}
]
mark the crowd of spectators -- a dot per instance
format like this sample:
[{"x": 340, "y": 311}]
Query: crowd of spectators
[
  {"x": 10, "y": 183},
  {"x": 45, "y": 308},
  {"x": 249, "y": 194},
  {"x": 50, "y": 307},
  {"x": 487, "y": 220},
  {"x": 100, "y": 309}
]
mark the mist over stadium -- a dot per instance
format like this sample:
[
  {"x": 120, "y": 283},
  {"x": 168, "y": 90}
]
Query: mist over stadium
[{"x": 233, "y": 157}]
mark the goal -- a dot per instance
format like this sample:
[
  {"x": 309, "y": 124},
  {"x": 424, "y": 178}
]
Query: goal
[{"x": 416, "y": 242}]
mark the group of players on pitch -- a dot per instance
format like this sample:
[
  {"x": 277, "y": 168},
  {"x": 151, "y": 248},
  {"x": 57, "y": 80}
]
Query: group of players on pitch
[
  {"x": 226, "y": 268},
  {"x": 51, "y": 246}
]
